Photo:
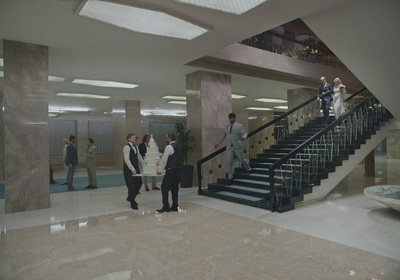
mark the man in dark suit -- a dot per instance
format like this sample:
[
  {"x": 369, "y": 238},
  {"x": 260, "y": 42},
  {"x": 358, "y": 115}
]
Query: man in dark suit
[
  {"x": 171, "y": 163},
  {"x": 234, "y": 134},
  {"x": 71, "y": 162},
  {"x": 132, "y": 158},
  {"x": 325, "y": 92}
]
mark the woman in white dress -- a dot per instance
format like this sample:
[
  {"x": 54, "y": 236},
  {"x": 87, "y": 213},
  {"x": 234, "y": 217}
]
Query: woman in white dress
[{"x": 338, "y": 101}]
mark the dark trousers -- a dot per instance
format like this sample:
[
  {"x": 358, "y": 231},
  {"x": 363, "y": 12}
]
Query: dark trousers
[
  {"x": 170, "y": 183},
  {"x": 133, "y": 183},
  {"x": 325, "y": 108},
  {"x": 70, "y": 176}
]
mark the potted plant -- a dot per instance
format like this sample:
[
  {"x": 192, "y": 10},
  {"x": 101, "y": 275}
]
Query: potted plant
[{"x": 186, "y": 141}]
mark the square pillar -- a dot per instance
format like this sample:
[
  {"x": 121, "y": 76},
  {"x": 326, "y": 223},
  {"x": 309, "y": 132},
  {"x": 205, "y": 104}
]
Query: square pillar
[
  {"x": 209, "y": 101},
  {"x": 126, "y": 119},
  {"x": 26, "y": 130}
]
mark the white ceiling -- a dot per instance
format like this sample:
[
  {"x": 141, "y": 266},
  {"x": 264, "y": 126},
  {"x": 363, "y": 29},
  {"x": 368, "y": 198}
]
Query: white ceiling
[{"x": 83, "y": 48}]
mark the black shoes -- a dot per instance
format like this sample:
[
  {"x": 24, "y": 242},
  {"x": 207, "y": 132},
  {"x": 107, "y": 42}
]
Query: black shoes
[
  {"x": 134, "y": 207},
  {"x": 88, "y": 187},
  {"x": 175, "y": 209},
  {"x": 147, "y": 189},
  {"x": 162, "y": 210},
  {"x": 93, "y": 187},
  {"x": 155, "y": 188}
]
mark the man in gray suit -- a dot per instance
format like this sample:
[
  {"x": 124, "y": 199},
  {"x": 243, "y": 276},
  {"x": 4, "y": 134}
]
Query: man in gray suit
[
  {"x": 234, "y": 134},
  {"x": 91, "y": 156}
]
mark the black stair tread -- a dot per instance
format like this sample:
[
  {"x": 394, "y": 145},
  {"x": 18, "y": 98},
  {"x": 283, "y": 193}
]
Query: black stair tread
[
  {"x": 252, "y": 181},
  {"x": 238, "y": 195},
  {"x": 244, "y": 188}
]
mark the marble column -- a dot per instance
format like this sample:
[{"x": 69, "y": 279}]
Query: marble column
[
  {"x": 126, "y": 119},
  {"x": 26, "y": 131},
  {"x": 209, "y": 101},
  {"x": 1, "y": 140}
]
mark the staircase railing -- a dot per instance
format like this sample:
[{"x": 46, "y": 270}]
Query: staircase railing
[
  {"x": 293, "y": 173},
  {"x": 282, "y": 127}
]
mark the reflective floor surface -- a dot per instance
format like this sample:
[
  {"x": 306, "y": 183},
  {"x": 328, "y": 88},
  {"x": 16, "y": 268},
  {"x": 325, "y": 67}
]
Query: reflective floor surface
[{"x": 95, "y": 235}]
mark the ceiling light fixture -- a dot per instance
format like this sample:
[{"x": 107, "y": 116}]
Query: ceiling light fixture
[
  {"x": 281, "y": 107},
  {"x": 174, "y": 97},
  {"x": 140, "y": 20},
  {"x": 1, "y": 62},
  {"x": 237, "y": 96},
  {"x": 1, "y": 74},
  {"x": 100, "y": 83},
  {"x": 83, "y": 95},
  {"x": 177, "y": 102},
  {"x": 259, "y": 108},
  {"x": 237, "y": 7},
  {"x": 56, "y": 79},
  {"x": 270, "y": 100}
]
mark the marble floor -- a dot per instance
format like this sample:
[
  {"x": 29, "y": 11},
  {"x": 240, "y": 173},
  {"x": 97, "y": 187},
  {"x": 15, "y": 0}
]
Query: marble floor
[{"x": 95, "y": 235}]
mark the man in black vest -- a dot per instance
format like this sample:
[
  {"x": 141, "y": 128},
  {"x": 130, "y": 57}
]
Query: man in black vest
[
  {"x": 171, "y": 163},
  {"x": 132, "y": 158}
]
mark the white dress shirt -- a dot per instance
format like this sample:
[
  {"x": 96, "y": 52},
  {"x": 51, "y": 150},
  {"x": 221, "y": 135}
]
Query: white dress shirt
[{"x": 169, "y": 150}]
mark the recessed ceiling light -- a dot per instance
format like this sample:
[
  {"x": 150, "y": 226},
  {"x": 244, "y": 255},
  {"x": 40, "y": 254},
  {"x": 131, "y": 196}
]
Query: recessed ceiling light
[
  {"x": 54, "y": 109},
  {"x": 83, "y": 95},
  {"x": 99, "y": 83},
  {"x": 259, "y": 108},
  {"x": 237, "y": 7},
  {"x": 56, "y": 79},
  {"x": 174, "y": 97},
  {"x": 281, "y": 107},
  {"x": 163, "y": 113},
  {"x": 238, "y": 96},
  {"x": 177, "y": 102},
  {"x": 271, "y": 100},
  {"x": 140, "y": 20}
]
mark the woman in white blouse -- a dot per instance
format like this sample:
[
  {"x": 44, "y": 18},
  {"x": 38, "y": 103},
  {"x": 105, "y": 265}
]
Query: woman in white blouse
[{"x": 338, "y": 101}]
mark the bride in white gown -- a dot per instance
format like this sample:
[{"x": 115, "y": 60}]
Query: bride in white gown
[{"x": 338, "y": 101}]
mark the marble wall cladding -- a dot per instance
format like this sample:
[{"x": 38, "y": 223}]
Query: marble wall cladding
[
  {"x": 392, "y": 144},
  {"x": 26, "y": 132},
  {"x": 297, "y": 96},
  {"x": 1, "y": 140},
  {"x": 209, "y": 102}
]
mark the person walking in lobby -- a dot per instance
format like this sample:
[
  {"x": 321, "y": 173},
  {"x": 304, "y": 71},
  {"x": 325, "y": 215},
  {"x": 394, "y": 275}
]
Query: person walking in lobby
[
  {"x": 171, "y": 163},
  {"x": 234, "y": 134},
  {"x": 338, "y": 100},
  {"x": 72, "y": 162},
  {"x": 325, "y": 92},
  {"x": 91, "y": 157},
  {"x": 143, "y": 151},
  {"x": 132, "y": 158}
]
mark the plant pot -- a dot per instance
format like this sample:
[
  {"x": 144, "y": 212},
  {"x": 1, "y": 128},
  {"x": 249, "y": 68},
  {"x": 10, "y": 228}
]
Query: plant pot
[{"x": 186, "y": 180}]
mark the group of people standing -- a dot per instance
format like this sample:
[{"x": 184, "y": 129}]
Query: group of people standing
[
  {"x": 70, "y": 161},
  {"x": 170, "y": 165}
]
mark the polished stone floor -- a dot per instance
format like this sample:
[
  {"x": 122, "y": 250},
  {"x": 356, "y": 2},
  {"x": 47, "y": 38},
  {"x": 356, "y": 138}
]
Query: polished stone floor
[{"x": 95, "y": 235}]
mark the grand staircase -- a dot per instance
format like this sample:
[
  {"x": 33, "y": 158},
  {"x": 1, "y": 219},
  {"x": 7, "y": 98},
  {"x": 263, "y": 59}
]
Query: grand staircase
[{"x": 284, "y": 172}]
